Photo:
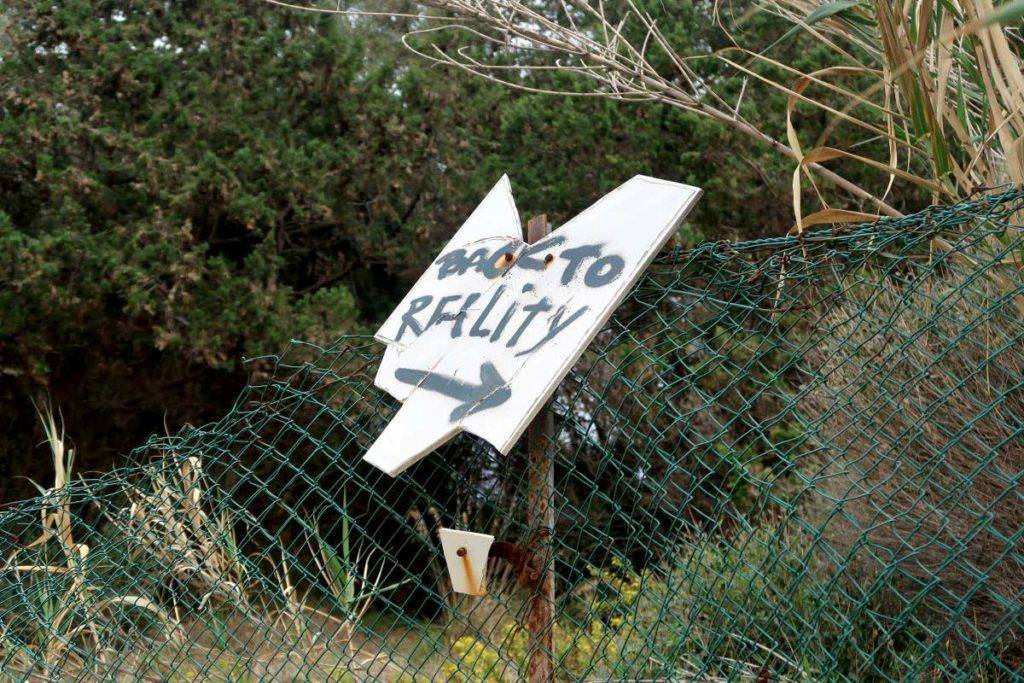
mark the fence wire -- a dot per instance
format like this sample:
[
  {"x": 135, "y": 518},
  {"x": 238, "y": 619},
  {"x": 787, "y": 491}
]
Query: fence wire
[{"x": 786, "y": 459}]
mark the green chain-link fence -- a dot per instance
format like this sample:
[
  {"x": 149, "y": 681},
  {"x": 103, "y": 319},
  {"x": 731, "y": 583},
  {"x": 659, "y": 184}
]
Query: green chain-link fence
[{"x": 794, "y": 458}]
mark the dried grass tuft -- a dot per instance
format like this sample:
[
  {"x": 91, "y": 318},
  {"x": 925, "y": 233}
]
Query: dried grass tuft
[
  {"x": 923, "y": 410},
  {"x": 162, "y": 589}
]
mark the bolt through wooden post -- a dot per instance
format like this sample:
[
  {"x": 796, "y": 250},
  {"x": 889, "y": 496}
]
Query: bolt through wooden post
[{"x": 540, "y": 519}]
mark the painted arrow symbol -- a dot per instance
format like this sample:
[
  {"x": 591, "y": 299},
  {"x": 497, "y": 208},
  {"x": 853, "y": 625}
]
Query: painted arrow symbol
[{"x": 490, "y": 392}]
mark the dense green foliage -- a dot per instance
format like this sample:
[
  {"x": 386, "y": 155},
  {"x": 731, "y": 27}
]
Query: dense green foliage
[{"x": 184, "y": 184}]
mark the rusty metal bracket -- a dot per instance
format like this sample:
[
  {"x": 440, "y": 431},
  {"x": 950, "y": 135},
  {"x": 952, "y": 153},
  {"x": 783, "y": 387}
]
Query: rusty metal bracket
[{"x": 528, "y": 562}]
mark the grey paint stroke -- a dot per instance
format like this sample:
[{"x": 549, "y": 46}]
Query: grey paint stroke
[{"x": 492, "y": 390}]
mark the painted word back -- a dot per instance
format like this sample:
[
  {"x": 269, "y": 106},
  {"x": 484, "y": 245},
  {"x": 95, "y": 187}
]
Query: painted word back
[{"x": 484, "y": 337}]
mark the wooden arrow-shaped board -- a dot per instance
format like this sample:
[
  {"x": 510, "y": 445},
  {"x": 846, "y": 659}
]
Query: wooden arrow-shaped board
[{"x": 490, "y": 329}]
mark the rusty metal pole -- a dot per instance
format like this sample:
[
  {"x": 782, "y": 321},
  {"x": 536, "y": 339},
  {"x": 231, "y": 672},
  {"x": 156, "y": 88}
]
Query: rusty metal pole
[{"x": 540, "y": 519}]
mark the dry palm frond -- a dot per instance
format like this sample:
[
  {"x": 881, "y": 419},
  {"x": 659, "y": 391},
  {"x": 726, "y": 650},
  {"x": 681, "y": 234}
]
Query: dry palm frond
[
  {"x": 946, "y": 93},
  {"x": 614, "y": 49},
  {"x": 945, "y": 82}
]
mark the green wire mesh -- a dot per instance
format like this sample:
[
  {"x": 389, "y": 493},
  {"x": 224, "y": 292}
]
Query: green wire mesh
[{"x": 792, "y": 458}]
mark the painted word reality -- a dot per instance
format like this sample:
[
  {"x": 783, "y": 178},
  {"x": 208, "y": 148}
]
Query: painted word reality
[
  {"x": 484, "y": 337},
  {"x": 506, "y": 316}
]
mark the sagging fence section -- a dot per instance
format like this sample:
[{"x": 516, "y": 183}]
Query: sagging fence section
[{"x": 784, "y": 459}]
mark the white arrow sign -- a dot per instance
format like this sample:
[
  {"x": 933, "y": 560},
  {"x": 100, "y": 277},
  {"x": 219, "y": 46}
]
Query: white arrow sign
[{"x": 490, "y": 329}]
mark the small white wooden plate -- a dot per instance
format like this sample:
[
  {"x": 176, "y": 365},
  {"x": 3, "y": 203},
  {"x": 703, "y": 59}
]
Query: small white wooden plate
[{"x": 467, "y": 571}]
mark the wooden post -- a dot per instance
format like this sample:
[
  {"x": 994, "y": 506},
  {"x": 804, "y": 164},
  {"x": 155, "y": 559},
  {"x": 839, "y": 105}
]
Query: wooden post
[{"x": 540, "y": 519}]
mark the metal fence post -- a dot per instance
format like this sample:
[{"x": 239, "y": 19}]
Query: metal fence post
[{"x": 540, "y": 517}]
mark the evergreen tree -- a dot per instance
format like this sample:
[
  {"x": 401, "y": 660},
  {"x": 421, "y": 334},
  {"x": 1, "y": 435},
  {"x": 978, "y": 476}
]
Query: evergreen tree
[{"x": 185, "y": 183}]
